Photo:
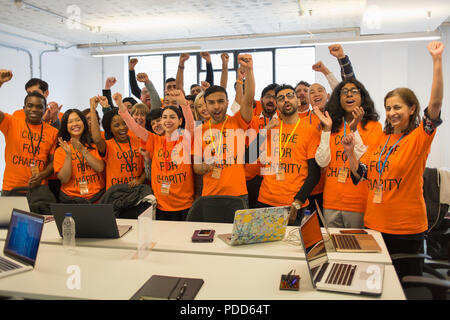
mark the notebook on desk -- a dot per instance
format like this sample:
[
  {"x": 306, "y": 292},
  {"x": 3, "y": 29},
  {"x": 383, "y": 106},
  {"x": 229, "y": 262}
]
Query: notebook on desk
[
  {"x": 258, "y": 225},
  {"x": 22, "y": 243},
  {"x": 169, "y": 288},
  {"x": 91, "y": 220},
  {"x": 7, "y": 204},
  {"x": 350, "y": 242},
  {"x": 341, "y": 276}
]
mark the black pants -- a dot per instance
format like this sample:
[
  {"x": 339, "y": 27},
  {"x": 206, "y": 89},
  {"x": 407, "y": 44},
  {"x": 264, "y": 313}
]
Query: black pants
[
  {"x": 253, "y": 186},
  {"x": 171, "y": 215},
  {"x": 405, "y": 244}
]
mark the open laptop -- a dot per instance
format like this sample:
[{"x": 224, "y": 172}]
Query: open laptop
[
  {"x": 341, "y": 276},
  {"x": 258, "y": 225},
  {"x": 91, "y": 220},
  {"x": 7, "y": 204},
  {"x": 350, "y": 242},
  {"x": 22, "y": 243}
]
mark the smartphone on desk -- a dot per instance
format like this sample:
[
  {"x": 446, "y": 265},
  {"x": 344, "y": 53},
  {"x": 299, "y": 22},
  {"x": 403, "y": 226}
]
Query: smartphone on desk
[
  {"x": 353, "y": 231},
  {"x": 204, "y": 235}
]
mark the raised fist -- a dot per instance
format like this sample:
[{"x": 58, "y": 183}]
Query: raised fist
[
  {"x": 184, "y": 57},
  {"x": 142, "y": 77},
  {"x": 205, "y": 85},
  {"x": 110, "y": 81},
  {"x": 245, "y": 61},
  {"x": 5, "y": 76},
  {"x": 319, "y": 67},
  {"x": 132, "y": 63},
  {"x": 336, "y": 51},
  {"x": 225, "y": 58},
  {"x": 206, "y": 56},
  {"x": 93, "y": 102},
  {"x": 117, "y": 97},
  {"x": 435, "y": 48},
  {"x": 103, "y": 101}
]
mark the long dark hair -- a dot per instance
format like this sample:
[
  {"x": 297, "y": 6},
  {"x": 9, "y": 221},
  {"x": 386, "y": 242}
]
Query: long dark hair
[
  {"x": 410, "y": 99},
  {"x": 85, "y": 138},
  {"x": 336, "y": 112}
]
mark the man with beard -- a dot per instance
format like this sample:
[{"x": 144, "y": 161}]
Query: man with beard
[
  {"x": 292, "y": 172},
  {"x": 219, "y": 142},
  {"x": 301, "y": 90}
]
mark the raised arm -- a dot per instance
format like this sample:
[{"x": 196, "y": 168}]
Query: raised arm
[
  {"x": 436, "y": 48},
  {"x": 179, "y": 81},
  {"x": 209, "y": 68},
  {"x": 240, "y": 74},
  {"x": 320, "y": 67},
  {"x": 187, "y": 113},
  {"x": 224, "y": 76},
  {"x": 140, "y": 132},
  {"x": 246, "y": 62},
  {"x": 5, "y": 76},
  {"x": 95, "y": 127},
  {"x": 135, "y": 90},
  {"x": 110, "y": 81},
  {"x": 347, "y": 72},
  {"x": 154, "y": 96}
]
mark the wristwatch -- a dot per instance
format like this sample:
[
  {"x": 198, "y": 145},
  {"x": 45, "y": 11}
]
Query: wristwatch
[{"x": 296, "y": 205}]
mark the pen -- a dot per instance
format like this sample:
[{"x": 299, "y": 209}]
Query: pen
[{"x": 182, "y": 291}]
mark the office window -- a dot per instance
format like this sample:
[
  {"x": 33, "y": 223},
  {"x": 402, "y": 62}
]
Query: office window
[
  {"x": 262, "y": 69},
  {"x": 153, "y": 67},
  {"x": 294, "y": 64},
  {"x": 190, "y": 70},
  {"x": 216, "y": 61}
]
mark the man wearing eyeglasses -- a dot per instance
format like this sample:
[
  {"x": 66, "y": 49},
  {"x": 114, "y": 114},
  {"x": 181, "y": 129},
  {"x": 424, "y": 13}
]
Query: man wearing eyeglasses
[{"x": 291, "y": 172}]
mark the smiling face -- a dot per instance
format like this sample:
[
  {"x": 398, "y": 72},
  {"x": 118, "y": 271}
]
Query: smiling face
[
  {"x": 75, "y": 125},
  {"x": 350, "y": 97},
  {"x": 119, "y": 129},
  {"x": 398, "y": 113},
  {"x": 268, "y": 102},
  {"x": 217, "y": 104},
  {"x": 196, "y": 90},
  {"x": 302, "y": 95},
  {"x": 145, "y": 97},
  {"x": 157, "y": 126},
  {"x": 139, "y": 117},
  {"x": 34, "y": 110},
  {"x": 318, "y": 96},
  {"x": 170, "y": 121},
  {"x": 202, "y": 110},
  {"x": 287, "y": 102}
]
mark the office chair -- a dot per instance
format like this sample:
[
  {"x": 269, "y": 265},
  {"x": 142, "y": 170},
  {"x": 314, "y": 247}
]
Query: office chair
[{"x": 218, "y": 209}]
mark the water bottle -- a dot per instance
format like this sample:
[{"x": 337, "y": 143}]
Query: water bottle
[
  {"x": 306, "y": 215},
  {"x": 68, "y": 229}
]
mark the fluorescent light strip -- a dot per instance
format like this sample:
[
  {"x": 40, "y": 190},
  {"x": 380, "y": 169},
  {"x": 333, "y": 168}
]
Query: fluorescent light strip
[
  {"x": 374, "y": 39},
  {"x": 144, "y": 51}
]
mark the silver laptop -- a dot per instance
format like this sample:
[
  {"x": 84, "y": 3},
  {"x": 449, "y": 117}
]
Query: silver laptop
[
  {"x": 350, "y": 242},
  {"x": 91, "y": 220},
  {"x": 7, "y": 204},
  {"x": 341, "y": 276},
  {"x": 22, "y": 243},
  {"x": 258, "y": 225}
]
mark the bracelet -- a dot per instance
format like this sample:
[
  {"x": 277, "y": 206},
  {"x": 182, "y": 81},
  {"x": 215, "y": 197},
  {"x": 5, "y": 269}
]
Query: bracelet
[
  {"x": 239, "y": 81},
  {"x": 180, "y": 67}
]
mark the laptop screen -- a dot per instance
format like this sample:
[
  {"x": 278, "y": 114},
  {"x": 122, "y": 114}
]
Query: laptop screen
[
  {"x": 313, "y": 242},
  {"x": 24, "y": 235}
]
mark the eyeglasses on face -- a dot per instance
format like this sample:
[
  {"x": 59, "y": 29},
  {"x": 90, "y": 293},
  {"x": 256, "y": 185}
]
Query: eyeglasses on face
[
  {"x": 345, "y": 91},
  {"x": 289, "y": 95}
]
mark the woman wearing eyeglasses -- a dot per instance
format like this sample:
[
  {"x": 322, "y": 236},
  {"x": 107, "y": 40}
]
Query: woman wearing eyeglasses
[
  {"x": 349, "y": 109},
  {"x": 394, "y": 169}
]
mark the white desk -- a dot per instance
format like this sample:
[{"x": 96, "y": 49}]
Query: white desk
[{"x": 114, "y": 274}]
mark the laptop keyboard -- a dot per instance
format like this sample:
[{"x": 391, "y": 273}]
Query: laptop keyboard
[
  {"x": 346, "y": 241},
  {"x": 6, "y": 265},
  {"x": 341, "y": 274}
]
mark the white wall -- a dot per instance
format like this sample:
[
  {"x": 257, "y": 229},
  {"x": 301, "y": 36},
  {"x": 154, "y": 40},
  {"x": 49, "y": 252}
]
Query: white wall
[{"x": 382, "y": 67}]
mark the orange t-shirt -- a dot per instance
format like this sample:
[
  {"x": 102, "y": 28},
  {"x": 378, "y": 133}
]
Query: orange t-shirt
[
  {"x": 402, "y": 210},
  {"x": 19, "y": 149},
  {"x": 171, "y": 163},
  {"x": 95, "y": 180},
  {"x": 20, "y": 114},
  {"x": 212, "y": 144},
  {"x": 346, "y": 196},
  {"x": 122, "y": 164},
  {"x": 258, "y": 108},
  {"x": 297, "y": 147},
  {"x": 304, "y": 114}
]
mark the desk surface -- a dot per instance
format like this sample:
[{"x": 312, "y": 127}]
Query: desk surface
[
  {"x": 173, "y": 236},
  {"x": 117, "y": 274}
]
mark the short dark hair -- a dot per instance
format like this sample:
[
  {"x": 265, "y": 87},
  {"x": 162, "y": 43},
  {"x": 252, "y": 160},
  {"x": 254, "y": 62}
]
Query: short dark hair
[
  {"x": 35, "y": 81},
  {"x": 306, "y": 84},
  {"x": 35, "y": 94},
  {"x": 272, "y": 86},
  {"x": 283, "y": 87},
  {"x": 194, "y": 85},
  {"x": 170, "y": 80},
  {"x": 152, "y": 115},
  {"x": 88, "y": 110},
  {"x": 214, "y": 89},
  {"x": 191, "y": 97},
  {"x": 85, "y": 139},
  {"x": 130, "y": 100},
  {"x": 336, "y": 112}
]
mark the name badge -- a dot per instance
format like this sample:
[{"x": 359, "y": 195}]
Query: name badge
[
  {"x": 342, "y": 176},
  {"x": 165, "y": 188},
  {"x": 216, "y": 172},
  {"x": 378, "y": 195},
  {"x": 34, "y": 168},
  {"x": 280, "y": 175},
  {"x": 83, "y": 187}
]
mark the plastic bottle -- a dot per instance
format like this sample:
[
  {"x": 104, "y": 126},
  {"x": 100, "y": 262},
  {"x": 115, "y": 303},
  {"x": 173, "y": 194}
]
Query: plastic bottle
[
  {"x": 68, "y": 230},
  {"x": 306, "y": 215}
]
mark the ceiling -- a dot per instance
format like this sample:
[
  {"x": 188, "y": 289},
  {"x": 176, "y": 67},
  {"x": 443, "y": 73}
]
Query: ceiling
[{"x": 152, "y": 20}]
